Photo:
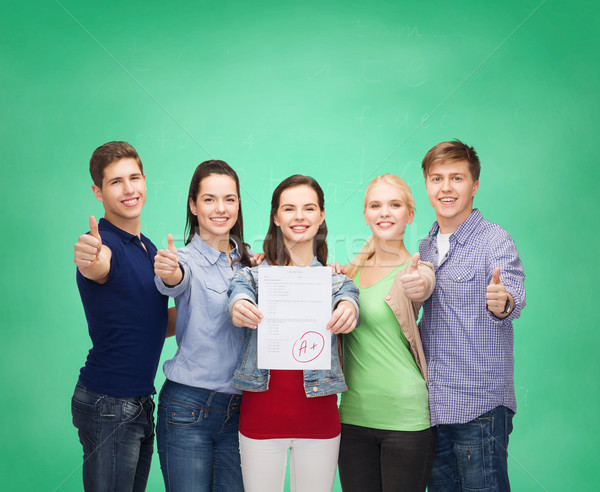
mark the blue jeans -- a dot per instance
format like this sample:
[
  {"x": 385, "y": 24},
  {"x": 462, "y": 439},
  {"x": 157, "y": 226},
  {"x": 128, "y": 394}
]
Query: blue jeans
[
  {"x": 198, "y": 446},
  {"x": 117, "y": 435},
  {"x": 473, "y": 456}
]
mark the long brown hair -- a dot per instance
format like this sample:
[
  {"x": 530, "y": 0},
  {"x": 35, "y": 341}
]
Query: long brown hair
[
  {"x": 204, "y": 170},
  {"x": 275, "y": 251}
]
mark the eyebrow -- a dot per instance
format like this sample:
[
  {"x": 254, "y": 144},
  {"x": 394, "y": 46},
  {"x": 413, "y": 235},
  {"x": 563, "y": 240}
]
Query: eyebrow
[
  {"x": 292, "y": 205},
  {"x": 108, "y": 180},
  {"x": 212, "y": 195},
  {"x": 450, "y": 174}
]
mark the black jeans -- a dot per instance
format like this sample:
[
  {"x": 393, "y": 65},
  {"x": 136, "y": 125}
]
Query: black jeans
[{"x": 375, "y": 460}]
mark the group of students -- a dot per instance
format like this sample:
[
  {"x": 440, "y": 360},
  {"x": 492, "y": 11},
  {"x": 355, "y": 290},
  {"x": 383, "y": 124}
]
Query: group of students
[{"x": 428, "y": 405}]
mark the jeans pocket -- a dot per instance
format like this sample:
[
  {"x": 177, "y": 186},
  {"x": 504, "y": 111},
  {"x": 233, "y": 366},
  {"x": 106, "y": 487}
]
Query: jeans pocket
[
  {"x": 181, "y": 415},
  {"x": 82, "y": 407},
  {"x": 130, "y": 411},
  {"x": 86, "y": 421},
  {"x": 475, "y": 458}
]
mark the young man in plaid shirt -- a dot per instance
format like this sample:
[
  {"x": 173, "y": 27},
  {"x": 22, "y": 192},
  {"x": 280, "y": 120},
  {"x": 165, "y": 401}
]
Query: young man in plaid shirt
[{"x": 467, "y": 327}]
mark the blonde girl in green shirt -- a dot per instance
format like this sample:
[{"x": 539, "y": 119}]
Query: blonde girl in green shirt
[{"x": 387, "y": 443}]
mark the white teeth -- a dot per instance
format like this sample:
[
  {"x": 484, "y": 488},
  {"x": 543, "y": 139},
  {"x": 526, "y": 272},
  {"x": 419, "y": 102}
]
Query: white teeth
[
  {"x": 448, "y": 199},
  {"x": 130, "y": 202},
  {"x": 219, "y": 219}
]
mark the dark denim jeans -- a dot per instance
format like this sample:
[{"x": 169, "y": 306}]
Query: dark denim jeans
[
  {"x": 377, "y": 460},
  {"x": 117, "y": 435},
  {"x": 197, "y": 433},
  {"x": 473, "y": 456}
]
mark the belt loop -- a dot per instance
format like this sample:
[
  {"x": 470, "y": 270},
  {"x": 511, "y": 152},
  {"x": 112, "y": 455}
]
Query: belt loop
[{"x": 207, "y": 405}]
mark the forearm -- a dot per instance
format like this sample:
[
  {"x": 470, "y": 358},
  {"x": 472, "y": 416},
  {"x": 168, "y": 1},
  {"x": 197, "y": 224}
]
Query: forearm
[
  {"x": 172, "y": 322},
  {"x": 100, "y": 269}
]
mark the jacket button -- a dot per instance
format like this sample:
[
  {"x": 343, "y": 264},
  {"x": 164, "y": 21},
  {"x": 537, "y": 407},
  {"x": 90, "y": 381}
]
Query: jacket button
[
  {"x": 387, "y": 298},
  {"x": 315, "y": 389},
  {"x": 404, "y": 329}
]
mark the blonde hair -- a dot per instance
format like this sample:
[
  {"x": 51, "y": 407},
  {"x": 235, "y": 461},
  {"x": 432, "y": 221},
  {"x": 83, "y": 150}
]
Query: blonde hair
[{"x": 368, "y": 250}]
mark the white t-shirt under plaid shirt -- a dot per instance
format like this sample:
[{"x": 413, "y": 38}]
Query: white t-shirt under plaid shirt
[{"x": 469, "y": 351}]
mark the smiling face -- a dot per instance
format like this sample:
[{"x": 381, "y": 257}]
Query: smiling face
[
  {"x": 386, "y": 211},
  {"x": 216, "y": 206},
  {"x": 298, "y": 215},
  {"x": 451, "y": 189},
  {"x": 123, "y": 194}
]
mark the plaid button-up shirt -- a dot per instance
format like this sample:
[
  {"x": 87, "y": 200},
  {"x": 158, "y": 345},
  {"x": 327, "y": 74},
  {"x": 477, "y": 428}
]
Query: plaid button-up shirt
[{"x": 469, "y": 351}]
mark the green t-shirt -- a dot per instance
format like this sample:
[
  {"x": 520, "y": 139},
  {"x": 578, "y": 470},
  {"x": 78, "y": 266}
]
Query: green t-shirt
[{"x": 386, "y": 390}]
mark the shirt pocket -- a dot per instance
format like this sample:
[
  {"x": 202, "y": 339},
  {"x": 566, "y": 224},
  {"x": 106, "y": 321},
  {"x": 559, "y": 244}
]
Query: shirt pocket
[
  {"x": 460, "y": 285},
  {"x": 216, "y": 286}
]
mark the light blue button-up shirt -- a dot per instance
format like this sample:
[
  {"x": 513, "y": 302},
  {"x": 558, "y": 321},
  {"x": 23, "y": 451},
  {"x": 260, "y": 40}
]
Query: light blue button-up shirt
[{"x": 208, "y": 345}]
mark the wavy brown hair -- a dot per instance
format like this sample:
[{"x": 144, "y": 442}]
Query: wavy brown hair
[{"x": 275, "y": 250}]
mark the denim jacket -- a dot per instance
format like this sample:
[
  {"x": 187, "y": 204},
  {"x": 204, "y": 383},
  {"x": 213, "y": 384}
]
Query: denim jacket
[{"x": 317, "y": 382}]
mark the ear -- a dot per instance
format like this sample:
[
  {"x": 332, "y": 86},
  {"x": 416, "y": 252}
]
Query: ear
[
  {"x": 365, "y": 216},
  {"x": 411, "y": 217},
  {"x": 475, "y": 188},
  {"x": 193, "y": 208},
  {"x": 97, "y": 192},
  {"x": 275, "y": 220},
  {"x": 322, "y": 217}
]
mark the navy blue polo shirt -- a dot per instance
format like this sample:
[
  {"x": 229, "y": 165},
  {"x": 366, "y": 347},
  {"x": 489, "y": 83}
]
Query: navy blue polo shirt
[{"x": 126, "y": 316}]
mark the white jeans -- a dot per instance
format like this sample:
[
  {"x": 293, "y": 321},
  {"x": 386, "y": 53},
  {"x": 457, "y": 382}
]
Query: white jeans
[{"x": 313, "y": 464}]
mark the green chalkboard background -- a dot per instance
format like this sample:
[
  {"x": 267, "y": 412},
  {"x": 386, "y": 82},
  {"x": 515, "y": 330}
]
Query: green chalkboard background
[{"x": 342, "y": 91}]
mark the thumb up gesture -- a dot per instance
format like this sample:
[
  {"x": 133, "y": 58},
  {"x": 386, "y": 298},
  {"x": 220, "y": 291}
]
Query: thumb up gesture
[
  {"x": 88, "y": 246},
  {"x": 497, "y": 296},
  {"x": 166, "y": 264},
  {"x": 413, "y": 282},
  {"x": 92, "y": 259}
]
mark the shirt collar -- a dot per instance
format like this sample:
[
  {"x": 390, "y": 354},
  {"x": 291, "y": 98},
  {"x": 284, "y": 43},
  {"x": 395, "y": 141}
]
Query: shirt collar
[
  {"x": 212, "y": 254},
  {"x": 124, "y": 235},
  {"x": 464, "y": 230}
]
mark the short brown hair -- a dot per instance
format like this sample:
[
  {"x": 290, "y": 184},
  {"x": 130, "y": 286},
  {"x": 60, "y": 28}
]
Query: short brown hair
[
  {"x": 454, "y": 150},
  {"x": 108, "y": 154}
]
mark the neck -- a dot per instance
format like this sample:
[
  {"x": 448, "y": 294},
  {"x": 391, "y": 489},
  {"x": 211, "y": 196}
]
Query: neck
[
  {"x": 390, "y": 253},
  {"x": 449, "y": 225},
  {"x": 132, "y": 226},
  {"x": 301, "y": 254},
  {"x": 220, "y": 243}
]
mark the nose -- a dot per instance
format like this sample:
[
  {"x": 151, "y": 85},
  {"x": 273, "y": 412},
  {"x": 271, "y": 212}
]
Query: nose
[
  {"x": 385, "y": 211},
  {"x": 220, "y": 204},
  {"x": 127, "y": 187},
  {"x": 446, "y": 184}
]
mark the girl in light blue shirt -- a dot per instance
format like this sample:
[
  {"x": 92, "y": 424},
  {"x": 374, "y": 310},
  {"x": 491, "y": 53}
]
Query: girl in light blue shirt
[{"x": 198, "y": 409}]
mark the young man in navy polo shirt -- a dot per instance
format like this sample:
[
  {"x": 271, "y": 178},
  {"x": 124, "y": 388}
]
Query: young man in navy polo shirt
[
  {"x": 466, "y": 327},
  {"x": 112, "y": 405}
]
